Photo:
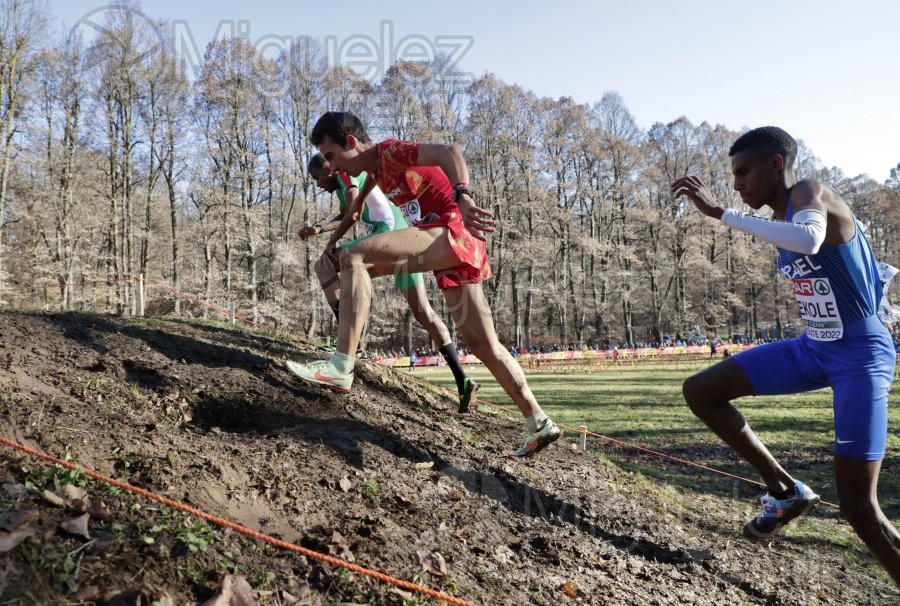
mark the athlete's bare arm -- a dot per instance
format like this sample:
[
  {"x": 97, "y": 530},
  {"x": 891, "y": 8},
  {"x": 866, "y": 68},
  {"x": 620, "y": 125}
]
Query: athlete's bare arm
[
  {"x": 449, "y": 159},
  {"x": 307, "y": 231},
  {"x": 352, "y": 214}
]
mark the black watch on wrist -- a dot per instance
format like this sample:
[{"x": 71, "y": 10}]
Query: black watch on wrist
[{"x": 460, "y": 190}]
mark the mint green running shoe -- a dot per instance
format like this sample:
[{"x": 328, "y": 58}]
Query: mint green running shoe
[
  {"x": 322, "y": 372},
  {"x": 533, "y": 443}
]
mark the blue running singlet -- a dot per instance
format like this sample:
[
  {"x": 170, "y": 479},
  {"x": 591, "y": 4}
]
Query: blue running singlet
[{"x": 845, "y": 345}]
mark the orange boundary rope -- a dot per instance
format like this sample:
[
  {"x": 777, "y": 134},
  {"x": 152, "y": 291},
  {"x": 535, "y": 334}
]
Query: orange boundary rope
[
  {"x": 508, "y": 409},
  {"x": 253, "y": 534}
]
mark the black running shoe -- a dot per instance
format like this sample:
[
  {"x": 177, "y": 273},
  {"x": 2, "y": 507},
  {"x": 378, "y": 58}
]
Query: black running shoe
[{"x": 467, "y": 394}]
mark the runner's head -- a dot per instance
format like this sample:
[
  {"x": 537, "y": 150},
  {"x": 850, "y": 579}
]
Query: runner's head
[
  {"x": 318, "y": 170},
  {"x": 762, "y": 161},
  {"x": 338, "y": 136}
]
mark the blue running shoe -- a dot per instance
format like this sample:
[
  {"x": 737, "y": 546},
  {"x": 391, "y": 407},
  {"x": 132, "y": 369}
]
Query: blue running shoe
[{"x": 778, "y": 512}]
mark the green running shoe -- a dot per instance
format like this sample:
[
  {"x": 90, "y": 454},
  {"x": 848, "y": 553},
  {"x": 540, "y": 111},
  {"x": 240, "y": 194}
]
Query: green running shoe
[
  {"x": 322, "y": 372},
  {"x": 533, "y": 443}
]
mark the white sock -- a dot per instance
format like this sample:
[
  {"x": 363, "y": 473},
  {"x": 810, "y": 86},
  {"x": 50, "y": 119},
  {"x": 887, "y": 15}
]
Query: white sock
[
  {"x": 343, "y": 363},
  {"x": 535, "y": 421}
]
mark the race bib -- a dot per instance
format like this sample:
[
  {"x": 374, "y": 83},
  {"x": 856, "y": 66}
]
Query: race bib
[
  {"x": 818, "y": 309},
  {"x": 412, "y": 211}
]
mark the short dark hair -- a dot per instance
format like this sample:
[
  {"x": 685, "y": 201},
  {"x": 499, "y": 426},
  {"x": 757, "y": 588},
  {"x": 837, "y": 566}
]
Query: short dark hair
[
  {"x": 316, "y": 162},
  {"x": 337, "y": 125},
  {"x": 768, "y": 139}
]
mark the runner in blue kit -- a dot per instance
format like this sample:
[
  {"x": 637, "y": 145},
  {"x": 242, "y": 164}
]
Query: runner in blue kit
[{"x": 822, "y": 249}]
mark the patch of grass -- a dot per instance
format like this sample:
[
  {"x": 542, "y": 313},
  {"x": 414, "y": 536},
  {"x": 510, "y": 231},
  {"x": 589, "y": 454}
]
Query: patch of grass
[
  {"x": 194, "y": 536},
  {"x": 644, "y": 406},
  {"x": 370, "y": 490},
  {"x": 40, "y": 477}
]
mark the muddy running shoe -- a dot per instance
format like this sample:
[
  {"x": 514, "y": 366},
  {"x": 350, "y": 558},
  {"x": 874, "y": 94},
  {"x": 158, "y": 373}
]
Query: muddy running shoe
[
  {"x": 467, "y": 395},
  {"x": 778, "y": 512},
  {"x": 322, "y": 372},
  {"x": 533, "y": 443}
]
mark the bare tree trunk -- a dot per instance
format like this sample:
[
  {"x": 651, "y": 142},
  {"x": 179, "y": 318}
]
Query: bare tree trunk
[
  {"x": 114, "y": 273},
  {"x": 529, "y": 304},
  {"x": 628, "y": 319},
  {"x": 408, "y": 326},
  {"x": 516, "y": 308},
  {"x": 6, "y": 132},
  {"x": 169, "y": 175},
  {"x": 127, "y": 191},
  {"x": 23, "y": 23}
]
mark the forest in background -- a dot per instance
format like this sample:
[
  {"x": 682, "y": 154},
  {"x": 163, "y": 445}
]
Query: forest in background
[{"x": 118, "y": 159}]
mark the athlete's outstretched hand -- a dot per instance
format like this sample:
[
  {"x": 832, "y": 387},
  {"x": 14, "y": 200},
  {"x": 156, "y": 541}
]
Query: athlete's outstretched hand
[
  {"x": 307, "y": 231},
  {"x": 477, "y": 220},
  {"x": 699, "y": 194}
]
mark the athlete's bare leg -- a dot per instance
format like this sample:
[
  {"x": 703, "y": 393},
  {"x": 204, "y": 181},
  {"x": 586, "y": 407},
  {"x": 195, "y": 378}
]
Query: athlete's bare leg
[
  {"x": 857, "y": 487},
  {"x": 425, "y": 314},
  {"x": 709, "y": 394},
  {"x": 328, "y": 277},
  {"x": 472, "y": 316},
  {"x": 405, "y": 251}
]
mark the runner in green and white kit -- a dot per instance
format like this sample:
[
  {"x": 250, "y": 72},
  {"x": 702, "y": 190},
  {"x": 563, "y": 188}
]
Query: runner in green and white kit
[{"x": 379, "y": 216}]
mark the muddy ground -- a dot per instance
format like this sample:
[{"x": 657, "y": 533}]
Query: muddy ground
[{"x": 208, "y": 415}]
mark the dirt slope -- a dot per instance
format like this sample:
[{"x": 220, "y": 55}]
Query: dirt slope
[{"x": 209, "y": 416}]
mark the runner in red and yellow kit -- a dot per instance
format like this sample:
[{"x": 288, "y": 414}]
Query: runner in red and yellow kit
[{"x": 447, "y": 238}]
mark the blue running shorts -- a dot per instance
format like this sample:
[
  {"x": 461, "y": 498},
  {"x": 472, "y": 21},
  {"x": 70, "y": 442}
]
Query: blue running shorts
[{"x": 859, "y": 368}]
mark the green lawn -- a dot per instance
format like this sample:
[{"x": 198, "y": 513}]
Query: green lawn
[{"x": 644, "y": 406}]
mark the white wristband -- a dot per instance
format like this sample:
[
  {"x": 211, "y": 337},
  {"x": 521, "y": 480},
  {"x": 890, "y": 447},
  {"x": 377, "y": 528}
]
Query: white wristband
[{"x": 804, "y": 235}]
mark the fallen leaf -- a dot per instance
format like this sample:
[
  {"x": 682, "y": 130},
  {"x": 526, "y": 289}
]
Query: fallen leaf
[
  {"x": 402, "y": 500},
  {"x": 345, "y": 484},
  {"x": 73, "y": 492},
  {"x": 427, "y": 465},
  {"x": 10, "y": 540},
  {"x": 53, "y": 498},
  {"x": 13, "y": 519},
  {"x": 86, "y": 594},
  {"x": 433, "y": 562},
  {"x": 570, "y": 589},
  {"x": 236, "y": 591},
  {"x": 338, "y": 546},
  {"x": 406, "y": 596},
  {"x": 504, "y": 554},
  {"x": 300, "y": 588},
  {"x": 98, "y": 510},
  {"x": 77, "y": 526},
  {"x": 102, "y": 543},
  {"x": 14, "y": 491}
]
